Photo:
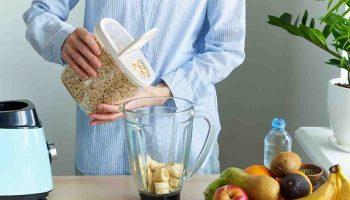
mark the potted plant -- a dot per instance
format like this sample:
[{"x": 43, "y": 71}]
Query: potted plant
[{"x": 332, "y": 35}]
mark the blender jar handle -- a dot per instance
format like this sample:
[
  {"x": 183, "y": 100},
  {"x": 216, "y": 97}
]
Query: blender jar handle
[{"x": 208, "y": 144}]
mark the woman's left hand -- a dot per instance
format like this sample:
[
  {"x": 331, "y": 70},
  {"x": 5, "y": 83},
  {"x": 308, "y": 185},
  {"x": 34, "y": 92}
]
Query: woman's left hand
[{"x": 109, "y": 113}]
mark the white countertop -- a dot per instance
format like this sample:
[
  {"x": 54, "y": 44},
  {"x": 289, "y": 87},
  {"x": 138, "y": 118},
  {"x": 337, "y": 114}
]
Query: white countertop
[
  {"x": 116, "y": 187},
  {"x": 315, "y": 142}
]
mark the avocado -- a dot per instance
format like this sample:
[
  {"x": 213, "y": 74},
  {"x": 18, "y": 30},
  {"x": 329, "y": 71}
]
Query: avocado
[{"x": 295, "y": 185}]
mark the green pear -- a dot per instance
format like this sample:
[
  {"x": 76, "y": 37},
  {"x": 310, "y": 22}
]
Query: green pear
[{"x": 211, "y": 188}]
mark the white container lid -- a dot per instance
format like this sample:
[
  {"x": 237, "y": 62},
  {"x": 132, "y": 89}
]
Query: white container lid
[{"x": 125, "y": 50}]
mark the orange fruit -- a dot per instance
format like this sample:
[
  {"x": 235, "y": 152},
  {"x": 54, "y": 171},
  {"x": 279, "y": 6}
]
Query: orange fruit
[{"x": 258, "y": 170}]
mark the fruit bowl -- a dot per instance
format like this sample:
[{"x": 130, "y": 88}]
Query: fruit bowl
[{"x": 313, "y": 172}]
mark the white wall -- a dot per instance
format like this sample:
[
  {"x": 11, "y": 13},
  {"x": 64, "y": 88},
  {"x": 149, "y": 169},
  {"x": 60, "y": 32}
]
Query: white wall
[
  {"x": 307, "y": 78},
  {"x": 282, "y": 76}
]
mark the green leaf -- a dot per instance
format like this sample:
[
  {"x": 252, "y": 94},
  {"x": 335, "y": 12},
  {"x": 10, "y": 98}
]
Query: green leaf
[
  {"x": 277, "y": 21},
  {"x": 337, "y": 21},
  {"x": 329, "y": 4},
  {"x": 337, "y": 46},
  {"x": 346, "y": 12},
  {"x": 345, "y": 45},
  {"x": 342, "y": 37},
  {"x": 314, "y": 35},
  {"x": 334, "y": 61},
  {"x": 335, "y": 33},
  {"x": 286, "y": 17},
  {"x": 296, "y": 21},
  {"x": 305, "y": 31},
  {"x": 304, "y": 19},
  {"x": 312, "y": 23},
  {"x": 341, "y": 63},
  {"x": 336, "y": 7},
  {"x": 327, "y": 31},
  {"x": 317, "y": 36}
]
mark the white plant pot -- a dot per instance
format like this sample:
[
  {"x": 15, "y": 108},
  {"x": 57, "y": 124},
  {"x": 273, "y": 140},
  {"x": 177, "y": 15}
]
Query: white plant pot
[{"x": 339, "y": 111}]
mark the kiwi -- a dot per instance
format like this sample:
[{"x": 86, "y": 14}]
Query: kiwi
[
  {"x": 295, "y": 185},
  {"x": 284, "y": 163}
]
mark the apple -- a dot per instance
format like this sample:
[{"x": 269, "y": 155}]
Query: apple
[{"x": 230, "y": 192}]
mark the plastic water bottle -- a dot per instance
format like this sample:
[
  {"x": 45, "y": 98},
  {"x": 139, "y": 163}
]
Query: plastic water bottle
[{"x": 276, "y": 141}]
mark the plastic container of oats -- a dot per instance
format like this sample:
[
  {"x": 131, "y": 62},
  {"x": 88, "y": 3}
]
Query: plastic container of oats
[{"x": 124, "y": 68}]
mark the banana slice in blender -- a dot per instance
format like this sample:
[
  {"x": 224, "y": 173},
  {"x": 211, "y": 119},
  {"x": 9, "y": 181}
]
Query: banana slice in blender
[
  {"x": 154, "y": 165},
  {"x": 150, "y": 162},
  {"x": 162, "y": 191},
  {"x": 160, "y": 175},
  {"x": 161, "y": 187},
  {"x": 172, "y": 189},
  {"x": 174, "y": 182},
  {"x": 175, "y": 170},
  {"x": 150, "y": 184}
]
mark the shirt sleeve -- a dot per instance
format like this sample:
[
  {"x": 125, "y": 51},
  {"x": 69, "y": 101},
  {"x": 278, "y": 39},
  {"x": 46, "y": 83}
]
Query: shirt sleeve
[
  {"x": 47, "y": 28},
  {"x": 223, "y": 51}
]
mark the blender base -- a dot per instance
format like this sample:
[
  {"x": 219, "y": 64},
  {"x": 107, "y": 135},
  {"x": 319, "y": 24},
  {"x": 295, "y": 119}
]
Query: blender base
[{"x": 170, "y": 196}]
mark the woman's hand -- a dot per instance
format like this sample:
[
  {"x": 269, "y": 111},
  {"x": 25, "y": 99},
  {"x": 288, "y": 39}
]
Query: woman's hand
[
  {"x": 80, "y": 51},
  {"x": 109, "y": 113}
]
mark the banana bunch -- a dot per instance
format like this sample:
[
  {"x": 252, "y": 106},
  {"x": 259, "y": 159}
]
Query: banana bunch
[
  {"x": 337, "y": 187},
  {"x": 163, "y": 178}
]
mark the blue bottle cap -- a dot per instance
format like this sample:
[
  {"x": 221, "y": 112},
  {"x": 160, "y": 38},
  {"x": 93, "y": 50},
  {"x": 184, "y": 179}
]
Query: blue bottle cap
[{"x": 278, "y": 123}]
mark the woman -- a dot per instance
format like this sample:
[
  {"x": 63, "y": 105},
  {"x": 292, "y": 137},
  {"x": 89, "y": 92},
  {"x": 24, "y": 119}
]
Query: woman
[{"x": 199, "y": 44}]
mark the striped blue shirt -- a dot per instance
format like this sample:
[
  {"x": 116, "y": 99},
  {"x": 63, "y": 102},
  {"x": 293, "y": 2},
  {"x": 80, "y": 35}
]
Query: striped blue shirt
[{"x": 199, "y": 44}]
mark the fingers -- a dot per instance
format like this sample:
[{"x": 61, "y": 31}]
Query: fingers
[
  {"x": 80, "y": 60},
  {"x": 141, "y": 103},
  {"x": 105, "y": 114},
  {"x": 106, "y": 108},
  {"x": 81, "y": 47},
  {"x": 92, "y": 59},
  {"x": 89, "y": 40},
  {"x": 104, "y": 118},
  {"x": 70, "y": 61}
]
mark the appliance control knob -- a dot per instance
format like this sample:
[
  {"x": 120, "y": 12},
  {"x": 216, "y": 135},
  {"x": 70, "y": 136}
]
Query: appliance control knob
[{"x": 52, "y": 151}]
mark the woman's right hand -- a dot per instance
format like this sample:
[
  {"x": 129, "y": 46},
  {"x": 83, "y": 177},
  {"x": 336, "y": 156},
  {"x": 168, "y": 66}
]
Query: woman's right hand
[{"x": 80, "y": 51}]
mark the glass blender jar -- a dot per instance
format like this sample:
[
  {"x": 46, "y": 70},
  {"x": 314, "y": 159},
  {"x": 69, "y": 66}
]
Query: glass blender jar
[{"x": 159, "y": 137}]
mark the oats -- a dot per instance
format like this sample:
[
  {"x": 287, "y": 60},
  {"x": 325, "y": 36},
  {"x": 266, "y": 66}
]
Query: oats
[
  {"x": 140, "y": 69},
  {"x": 110, "y": 87}
]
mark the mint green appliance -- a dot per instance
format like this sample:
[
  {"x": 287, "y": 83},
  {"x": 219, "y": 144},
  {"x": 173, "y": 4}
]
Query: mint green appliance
[{"x": 25, "y": 156}]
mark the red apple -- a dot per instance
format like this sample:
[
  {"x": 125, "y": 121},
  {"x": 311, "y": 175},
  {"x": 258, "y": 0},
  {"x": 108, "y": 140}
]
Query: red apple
[{"x": 230, "y": 192}]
